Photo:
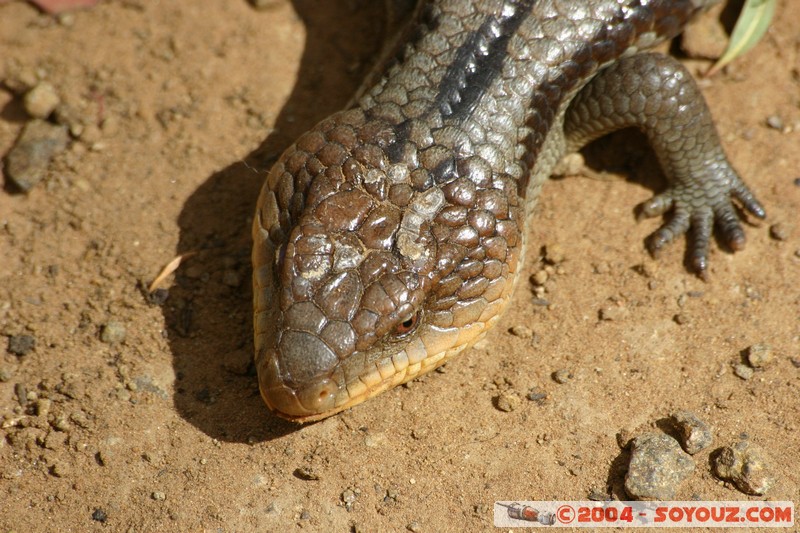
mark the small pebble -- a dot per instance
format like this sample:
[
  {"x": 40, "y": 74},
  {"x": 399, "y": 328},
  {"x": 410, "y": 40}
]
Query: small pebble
[
  {"x": 306, "y": 473},
  {"x": 414, "y": 526},
  {"x": 22, "y": 394},
  {"x": 60, "y": 469},
  {"x": 91, "y": 134},
  {"x": 657, "y": 467},
  {"x": 41, "y": 101},
  {"x": 55, "y": 440},
  {"x": 760, "y": 355},
  {"x": 21, "y": 345},
  {"x": 562, "y": 376},
  {"x": 649, "y": 269},
  {"x": 523, "y": 332},
  {"x": 613, "y": 313},
  {"x": 743, "y": 371},
  {"x": 5, "y": 375},
  {"x": 681, "y": 319},
  {"x": 374, "y": 440},
  {"x": 27, "y": 162},
  {"x": 66, "y": 19},
  {"x": 104, "y": 457},
  {"x": 507, "y": 402},
  {"x": 554, "y": 254},
  {"x": 598, "y": 495},
  {"x": 158, "y": 496},
  {"x": 305, "y": 515},
  {"x": 80, "y": 419},
  {"x": 695, "y": 435},
  {"x": 113, "y": 332},
  {"x": 419, "y": 433},
  {"x": 536, "y": 395},
  {"x": 348, "y": 498},
  {"x": 602, "y": 268},
  {"x": 158, "y": 296},
  {"x": 110, "y": 126},
  {"x": 61, "y": 423},
  {"x": 746, "y": 466},
  {"x": 775, "y": 122},
  {"x": 779, "y": 231},
  {"x": 797, "y": 182},
  {"x": 99, "y": 515},
  {"x": 539, "y": 278}
]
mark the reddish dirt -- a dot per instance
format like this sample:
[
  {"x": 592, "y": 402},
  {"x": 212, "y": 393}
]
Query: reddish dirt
[{"x": 166, "y": 431}]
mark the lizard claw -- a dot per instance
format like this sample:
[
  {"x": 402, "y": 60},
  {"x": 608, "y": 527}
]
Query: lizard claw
[{"x": 699, "y": 215}]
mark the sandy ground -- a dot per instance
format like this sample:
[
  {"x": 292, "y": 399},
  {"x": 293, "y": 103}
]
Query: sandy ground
[{"x": 170, "y": 104}]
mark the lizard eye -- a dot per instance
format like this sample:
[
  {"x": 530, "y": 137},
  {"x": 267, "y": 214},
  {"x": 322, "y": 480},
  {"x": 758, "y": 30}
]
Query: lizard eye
[{"x": 407, "y": 326}]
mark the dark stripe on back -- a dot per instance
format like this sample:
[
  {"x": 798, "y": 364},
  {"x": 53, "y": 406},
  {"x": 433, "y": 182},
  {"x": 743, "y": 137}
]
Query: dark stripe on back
[{"x": 478, "y": 62}]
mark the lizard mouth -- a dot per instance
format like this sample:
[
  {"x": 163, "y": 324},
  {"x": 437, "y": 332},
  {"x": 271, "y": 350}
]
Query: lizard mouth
[{"x": 327, "y": 395}]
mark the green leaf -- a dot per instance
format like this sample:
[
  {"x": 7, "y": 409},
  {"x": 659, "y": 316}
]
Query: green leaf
[{"x": 750, "y": 27}]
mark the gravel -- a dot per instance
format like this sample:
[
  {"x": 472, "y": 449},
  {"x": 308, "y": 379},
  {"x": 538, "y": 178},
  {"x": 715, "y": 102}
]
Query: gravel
[
  {"x": 657, "y": 467},
  {"x": 539, "y": 278},
  {"x": 760, "y": 355},
  {"x": 562, "y": 376},
  {"x": 349, "y": 498},
  {"x": 22, "y": 394},
  {"x": 507, "y": 402},
  {"x": 41, "y": 101},
  {"x": 43, "y": 406},
  {"x": 113, "y": 332},
  {"x": 775, "y": 122},
  {"x": 27, "y": 162},
  {"x": 21, "y": 345},
  {"x": 695, "y": 435},
  {"x": 99, "y": 515},
  {"x": 745, "y": 465},
  {"x": 536, "y": 395},
  {"x": 780, "y": 231},
  {"x": 306, "y": 473},
  {"x": 743, "y": 371},
  {"x": 60, "y": 469},
  {"x": 554, "y": 253},
  {"x": 521, "y": 331}
]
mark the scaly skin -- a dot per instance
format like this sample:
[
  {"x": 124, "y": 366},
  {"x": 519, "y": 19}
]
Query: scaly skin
[{"x": 389, "y": 237}]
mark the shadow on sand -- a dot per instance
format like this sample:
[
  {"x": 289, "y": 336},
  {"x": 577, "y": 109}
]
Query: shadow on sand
[{"x": 209, "y": 311}]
